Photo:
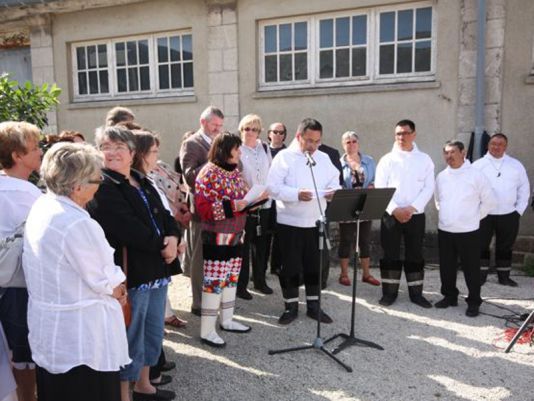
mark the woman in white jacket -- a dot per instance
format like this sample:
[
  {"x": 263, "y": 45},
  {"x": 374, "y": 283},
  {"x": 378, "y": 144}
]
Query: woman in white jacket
[{"x": 77, "y": 332}]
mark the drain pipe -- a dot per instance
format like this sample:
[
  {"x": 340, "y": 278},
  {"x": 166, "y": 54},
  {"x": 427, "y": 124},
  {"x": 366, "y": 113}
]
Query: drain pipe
[{"x": 480, "y": 75}]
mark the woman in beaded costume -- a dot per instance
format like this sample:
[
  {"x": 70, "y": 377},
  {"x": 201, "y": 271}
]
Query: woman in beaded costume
[{"x": 219, "y": 192}]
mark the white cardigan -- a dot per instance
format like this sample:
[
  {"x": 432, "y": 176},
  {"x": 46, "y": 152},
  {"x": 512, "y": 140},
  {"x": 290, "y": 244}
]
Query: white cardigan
[
  {"x": 411, "y": 174},
  {"x": 463, "y": 197},
  {"x": 72, "y": 318}
]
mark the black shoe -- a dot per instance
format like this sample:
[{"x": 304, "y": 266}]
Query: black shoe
[
  {"x": 387, "y": 300},
  {"x": 472, "y": 311},
  {"x": 196, "y": 311},
  {"x": 264, "y": 289},
  {"x": 446, "y": 302},
  {"x": 165, "y": 379},
  {"x": 288, "y": 316},
  {"x": 507, "y": 281},
  {"x": 244, "y": 294},
  {"x": 159, "y": 395},
  {"x": 313, "y": 313},
  {"x": 169, "y": 365},
  {"x": 421, "y": 301}
]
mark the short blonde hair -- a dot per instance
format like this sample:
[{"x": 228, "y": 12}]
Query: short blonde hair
[
  {"x": 67, "y": 165},
  {"x": 250, "y": 120},
  {"x": 14, "y": 137}
]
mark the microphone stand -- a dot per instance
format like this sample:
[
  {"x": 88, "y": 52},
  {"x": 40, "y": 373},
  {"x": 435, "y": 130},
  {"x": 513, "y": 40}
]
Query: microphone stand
[{"x": 318, "y": 342}]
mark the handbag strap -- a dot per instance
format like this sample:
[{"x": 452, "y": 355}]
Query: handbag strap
[{"x": 125, "y": 264}]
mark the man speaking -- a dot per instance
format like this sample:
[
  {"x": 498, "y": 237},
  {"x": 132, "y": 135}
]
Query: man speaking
[{"x": 291, "y": 185}]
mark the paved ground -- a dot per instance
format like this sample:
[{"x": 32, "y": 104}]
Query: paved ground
[{"x": 430, "y": 354}]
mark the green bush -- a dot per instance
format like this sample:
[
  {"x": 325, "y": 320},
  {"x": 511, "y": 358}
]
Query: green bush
[{"x": 28, "y": 102}]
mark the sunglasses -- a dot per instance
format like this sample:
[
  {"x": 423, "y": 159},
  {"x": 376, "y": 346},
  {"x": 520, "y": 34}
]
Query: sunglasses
[
  {"x": 247, "y": 129},
  {"x": 278, "y": 132},
  {"x": 99, "y": 181}
]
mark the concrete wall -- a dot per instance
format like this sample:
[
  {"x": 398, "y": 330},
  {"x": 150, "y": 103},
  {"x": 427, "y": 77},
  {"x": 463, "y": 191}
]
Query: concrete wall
[
  {"x": 170, "y": 117},
  {"x": 372, "y": 114},
  {"x": 518, "y": 90}
]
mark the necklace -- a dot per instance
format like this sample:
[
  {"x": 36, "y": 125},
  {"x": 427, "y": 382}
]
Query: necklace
[{"x": 497, "y": 169}]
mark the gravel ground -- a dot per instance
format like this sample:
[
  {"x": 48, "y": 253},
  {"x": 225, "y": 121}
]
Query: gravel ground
[{"x": 429, "y": 354}]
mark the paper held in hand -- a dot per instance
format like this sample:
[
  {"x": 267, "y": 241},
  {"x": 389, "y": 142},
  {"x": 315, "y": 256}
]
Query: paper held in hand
[{"x": 324, "y": 193}]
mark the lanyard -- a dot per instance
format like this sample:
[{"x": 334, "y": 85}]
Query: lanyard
[{"x": 145, "y": 200}]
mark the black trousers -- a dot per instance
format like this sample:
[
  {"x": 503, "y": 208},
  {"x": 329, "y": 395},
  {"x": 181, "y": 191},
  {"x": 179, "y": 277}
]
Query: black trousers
[
  {"x": 463, "y": 246},
  {"x": 300, "y": 258},
  {"x": 155, "y": 371},
  {"x": 256, "y": 249},
  {"x": 505, "y": 228},
  {"x": 392, "y": 232},
  {"x": 81, "y": 383}
]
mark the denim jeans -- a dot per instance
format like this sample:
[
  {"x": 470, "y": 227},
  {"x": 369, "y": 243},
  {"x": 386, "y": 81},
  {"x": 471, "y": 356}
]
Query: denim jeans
[{"x": 145, "y": 333}]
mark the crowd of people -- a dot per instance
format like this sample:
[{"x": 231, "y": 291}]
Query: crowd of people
[{"x": 112, "y": 224}]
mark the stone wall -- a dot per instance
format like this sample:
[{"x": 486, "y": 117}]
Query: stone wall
[{"x": 223, "y": 60}]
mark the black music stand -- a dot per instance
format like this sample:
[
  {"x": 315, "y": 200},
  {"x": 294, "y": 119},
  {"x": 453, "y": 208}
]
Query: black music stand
[
  {"x": 353, "y": 206},
  {"x": 523, "y": 327}
]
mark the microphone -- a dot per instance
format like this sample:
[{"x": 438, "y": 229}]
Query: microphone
[{"x": 309, "y": 157}]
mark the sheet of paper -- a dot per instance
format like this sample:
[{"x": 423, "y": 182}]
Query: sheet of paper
[
  {"x": 255, "y": 192},
  {"x": 323, "y": 192}
]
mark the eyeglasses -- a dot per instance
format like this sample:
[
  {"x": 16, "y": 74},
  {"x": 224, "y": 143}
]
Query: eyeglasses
[
  {"x": 97, "y": 182},
  {"x": 118, "y": 148},
  {"x": 247, "y": 129},
  {"x": 277, "y": 132},
  {"x": 350, "y": 142}
]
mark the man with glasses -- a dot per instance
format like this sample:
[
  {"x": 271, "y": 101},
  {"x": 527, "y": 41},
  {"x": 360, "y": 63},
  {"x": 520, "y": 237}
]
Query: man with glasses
[
  {"x": 193, "y": 156},
  {"x": 290, "y": 183},
  {"x": 411, "y": 173},
  {"x": 277, "y": 135}
]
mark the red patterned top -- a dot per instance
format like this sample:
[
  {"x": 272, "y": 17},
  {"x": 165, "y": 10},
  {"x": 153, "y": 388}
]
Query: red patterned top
[{"x": 216, "y": 189}]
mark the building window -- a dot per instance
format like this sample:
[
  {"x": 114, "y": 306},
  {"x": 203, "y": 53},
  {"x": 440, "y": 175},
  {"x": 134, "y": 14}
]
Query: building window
[
  {"x": 286, "y": 52},
  {"x": 405, "y": 41},
  {"x": 175, "y": 62},
  {"x": 132, "y": 66},
  {"x": 365, "y": 46},
  {"x": 343, "y": 47},
  {"x": 139, "y": 67},
  {"x": 92, "y": 69}
]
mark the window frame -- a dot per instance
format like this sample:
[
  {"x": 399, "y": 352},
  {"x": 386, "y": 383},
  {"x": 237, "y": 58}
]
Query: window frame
[
  {"x": 372, "y": 76},
  {"x": 114, "y": 94}
]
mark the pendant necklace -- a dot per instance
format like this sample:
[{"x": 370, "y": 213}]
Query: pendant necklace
[{"x": 498, "y": 170}]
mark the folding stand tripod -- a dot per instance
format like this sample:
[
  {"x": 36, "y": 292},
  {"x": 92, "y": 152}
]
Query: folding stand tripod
[
  {"x": 351, "y": 206},
  {"x": 318, "y": 341},
  {"x": 523, "y": 327}
]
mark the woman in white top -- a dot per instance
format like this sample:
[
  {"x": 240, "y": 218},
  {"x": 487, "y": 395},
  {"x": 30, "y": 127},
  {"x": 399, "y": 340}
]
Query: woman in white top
[
  {"x": 20, "y": 155},
  {"x": 77, "y": 331},
  {"x": 256, "y": 160}
]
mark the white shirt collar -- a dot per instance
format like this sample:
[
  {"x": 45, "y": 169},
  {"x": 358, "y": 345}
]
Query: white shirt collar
[{"x": 206, "y": 137}]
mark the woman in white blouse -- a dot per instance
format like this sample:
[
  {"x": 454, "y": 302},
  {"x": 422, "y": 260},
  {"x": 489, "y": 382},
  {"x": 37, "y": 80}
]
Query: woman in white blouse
[
  {"x": 256, "y": 160},
  {"x": 20, "y": 155},
  {"x": 77, "y": 332}
]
